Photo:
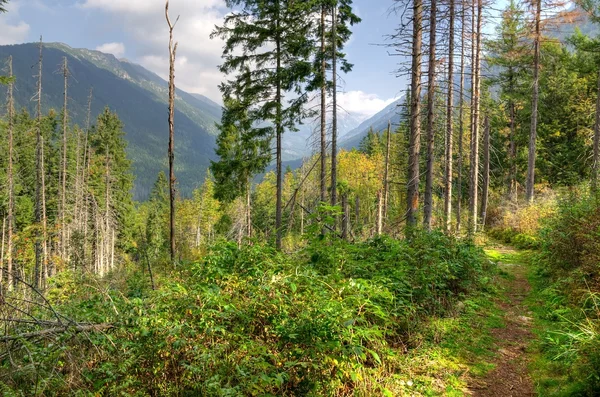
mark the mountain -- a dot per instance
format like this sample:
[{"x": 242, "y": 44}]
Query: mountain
[
  {"x": 301, "y": 143},
  {"x": 378, "y": 122},
  {"x": 137, "y": 95}
]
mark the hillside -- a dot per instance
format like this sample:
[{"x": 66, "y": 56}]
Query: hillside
[
  {"x": 136, "y": 94},
  {"x": 378, "y": 122}
]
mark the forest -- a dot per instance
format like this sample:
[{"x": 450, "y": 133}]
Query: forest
[{"x": 456, "y": 252}]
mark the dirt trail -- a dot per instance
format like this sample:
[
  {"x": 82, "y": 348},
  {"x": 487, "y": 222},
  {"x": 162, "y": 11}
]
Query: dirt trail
[{"x": 509, "y": 378}]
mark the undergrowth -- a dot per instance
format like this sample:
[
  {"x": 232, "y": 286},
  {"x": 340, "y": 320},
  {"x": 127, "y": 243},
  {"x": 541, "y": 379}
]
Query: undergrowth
[
  {"x": 373, "y": 318},
  {"x": 566, "y": 300}
]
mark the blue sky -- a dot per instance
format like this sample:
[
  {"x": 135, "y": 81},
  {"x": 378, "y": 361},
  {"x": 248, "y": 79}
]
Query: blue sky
[{"x": 136, "y": 30}]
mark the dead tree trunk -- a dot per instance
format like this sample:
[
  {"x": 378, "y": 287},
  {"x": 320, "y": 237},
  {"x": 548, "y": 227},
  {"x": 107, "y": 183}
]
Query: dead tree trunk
[
  {"x": 415, "y": 120},
  {"x": 323, "y": 176},
  {"x": 10, "y": 176},
  {"x": 172, "y": 54},
  {"x": 475, "y": 127},
  {"x": 386, "y": 174},
  {"x": 379, "y": 212},
  {"x": 428, "y": 205},
  {"x": 63, "y": 172},
  {"x": 461, "y": 121},
  {"x": 41, "y": 248},
  {"x": 334, "y": 120},
  {"x": 449, "y": 123},
  {"x": 529, "y": 188},
  {"x": 486, "y": 170}
]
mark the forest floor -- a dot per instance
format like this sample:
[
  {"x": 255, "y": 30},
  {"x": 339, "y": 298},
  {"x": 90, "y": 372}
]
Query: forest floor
[{"x": 512, "y": 339}]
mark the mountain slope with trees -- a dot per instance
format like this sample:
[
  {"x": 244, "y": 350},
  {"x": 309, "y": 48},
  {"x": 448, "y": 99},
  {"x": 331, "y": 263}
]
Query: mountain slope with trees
[{"x": 137, "y": 95}]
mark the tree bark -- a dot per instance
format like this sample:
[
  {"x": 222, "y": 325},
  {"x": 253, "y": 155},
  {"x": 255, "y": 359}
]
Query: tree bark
[
  {"x": 512, "y": 154},
  {"x": 449, "y": 123},
  {"x": 386, "y": 176},
  {"x": 475, "y": 127},
  {"x": 172, "y": 193},
  {"x": 323, "y": 179},
  {"x": 379, "y": 212},
  {"x": 428, "y": 204},
  {"x": 529, "y": 188},
  {"x": 334, "y": 110},
  {"x": 41, "y": 249},
  {"x": 415, "y": 121},
  {"x": 486, "y": 170},
  {"x": 279, "y": 133},
  {"x": 10, "y": 175},
  {"x": 461, "y": 121},
  {"x": 63, "y": 186}
]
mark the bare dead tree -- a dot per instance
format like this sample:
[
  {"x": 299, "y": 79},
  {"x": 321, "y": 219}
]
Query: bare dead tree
[
  {"x": 415, "y": 117},
  {"x": 323, "y": 175},
  {"x": 461, "y": 115},
  {"x": 334, "y": 120},
  {"x": 474, "y": 188},
  {"x": 10, "y": 175},
  {"x": 428, "y": 202},
  {"x": 172, "y": 55},
  {"x": 449, "y": 122},
  {"x": 63, "y": 172},
  {"x": 41, "y": 241},
  {"x": 486, "y": 170},
  {"x": 386, "y": 173}
]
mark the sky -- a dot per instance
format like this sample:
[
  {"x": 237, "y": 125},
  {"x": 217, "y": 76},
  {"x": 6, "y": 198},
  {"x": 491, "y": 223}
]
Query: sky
[{"x": 137, "y": 30}]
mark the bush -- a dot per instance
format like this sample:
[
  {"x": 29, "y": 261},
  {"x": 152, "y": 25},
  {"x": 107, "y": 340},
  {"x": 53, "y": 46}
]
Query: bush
[
  {"x": 569, "y": 262},
  {"x": 253, "y": 321}
]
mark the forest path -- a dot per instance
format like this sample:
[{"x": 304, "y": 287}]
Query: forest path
[{"x": 510, "y": 377}]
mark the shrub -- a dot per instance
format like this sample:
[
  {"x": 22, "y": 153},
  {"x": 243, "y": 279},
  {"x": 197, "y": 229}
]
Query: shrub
[{"x": 254, "y": 321}]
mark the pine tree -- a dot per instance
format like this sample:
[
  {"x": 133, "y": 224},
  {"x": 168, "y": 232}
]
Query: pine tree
[{"x": 267, "y": 50}]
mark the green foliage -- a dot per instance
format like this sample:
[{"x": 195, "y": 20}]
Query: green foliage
[
  {"x": 253, "y": 321},
  {"x": 569, "y": 283}
]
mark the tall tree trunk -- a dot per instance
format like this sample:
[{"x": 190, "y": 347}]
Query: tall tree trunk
[
  {"x": 323, "y": 178},
  {"x": 379, "y": 218},
  {"x": 41, "y": 249},
  {"x": 85, "y": 172},
  {"x": 512, "y": 155},
  {"x": 428, "y": 205},
  {"x": 63, "y": 185},
  {"x": 248, "y": 208},
  {"x": 461, "y": 121},
  {"x": 486, "y": 170},
  {"x": 172, "y": 55},
  {"x": 279, "y": 133},
  {"x": 475, "y": 127},
  {"x": 415, "y": 120},
  {"x": 449, "y": 123},
  {"x": 334, "y": 120},
  {"x": 106, "y": 234},
  {"x": 596, "y": 156},
  {"x": 10, "y": 175},
  {"x": 529, "y": 188},
  {"x": 386, "y": 173}
]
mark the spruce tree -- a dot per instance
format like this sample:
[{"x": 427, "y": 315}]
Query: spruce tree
[{"x": 266, "y": 53}]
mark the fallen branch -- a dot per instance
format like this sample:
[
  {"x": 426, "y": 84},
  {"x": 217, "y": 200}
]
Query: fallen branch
[{"x": 59, "y": 329}]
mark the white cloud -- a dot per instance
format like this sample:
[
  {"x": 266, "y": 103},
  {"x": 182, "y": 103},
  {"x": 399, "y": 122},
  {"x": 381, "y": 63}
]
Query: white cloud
[
  {"x": 117, "y": 49},
  {"x": 362, "y": 104},
  {"x": 13, "y": 34},
  {"x": 197, "y": 55},
  {"x": 12, "y": 29}
]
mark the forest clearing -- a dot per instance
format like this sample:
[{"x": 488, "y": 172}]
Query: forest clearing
[{"x": 302, "y": 233}]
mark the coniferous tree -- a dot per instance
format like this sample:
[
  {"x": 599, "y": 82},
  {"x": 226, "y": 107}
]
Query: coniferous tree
[
  {"x": 509, "y": 53},
  {"x": 267, "y": 50}
]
